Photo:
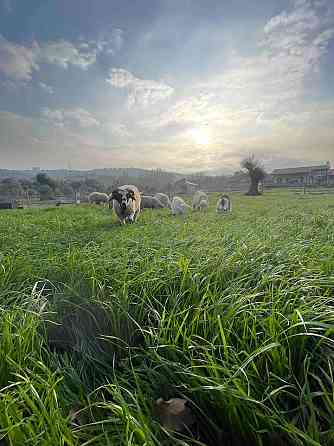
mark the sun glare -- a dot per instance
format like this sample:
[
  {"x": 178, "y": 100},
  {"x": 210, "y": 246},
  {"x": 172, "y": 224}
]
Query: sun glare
[{"x": 200, "y": 136}]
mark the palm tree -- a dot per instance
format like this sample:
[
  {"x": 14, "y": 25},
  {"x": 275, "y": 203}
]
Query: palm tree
[{"x": 256, "y": 173}]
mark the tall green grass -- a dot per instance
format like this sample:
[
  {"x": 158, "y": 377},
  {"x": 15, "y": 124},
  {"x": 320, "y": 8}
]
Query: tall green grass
[{"x": 233, "y": 312}]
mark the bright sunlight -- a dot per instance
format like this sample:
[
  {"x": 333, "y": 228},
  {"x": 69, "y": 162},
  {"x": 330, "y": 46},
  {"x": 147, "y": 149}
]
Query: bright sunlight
[{"x": 200, "y": 136}]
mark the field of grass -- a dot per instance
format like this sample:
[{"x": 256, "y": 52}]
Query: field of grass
[{"x": 234, "y": 313}]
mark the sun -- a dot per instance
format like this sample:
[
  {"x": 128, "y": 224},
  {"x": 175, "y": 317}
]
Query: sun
[{"x": 200, "y": 136}]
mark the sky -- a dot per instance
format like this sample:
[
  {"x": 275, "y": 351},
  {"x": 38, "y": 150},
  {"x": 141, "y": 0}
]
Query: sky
[{"x": 185, "y": 85}]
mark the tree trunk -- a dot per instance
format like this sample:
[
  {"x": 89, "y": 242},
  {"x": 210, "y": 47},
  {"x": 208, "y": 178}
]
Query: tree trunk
[{"x": 254, "y": 188}]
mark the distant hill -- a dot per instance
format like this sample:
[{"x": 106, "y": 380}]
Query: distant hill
[
  {"x": 107, "y": 172},
  {"x": 217, "y": 172}
]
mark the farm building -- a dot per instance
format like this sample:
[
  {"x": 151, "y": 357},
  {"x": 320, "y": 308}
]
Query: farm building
[
  {"x": 8, "y": 204},
  {"x": 300, "y": 176},
  {"x": 183, "y": 186},
  {"x": 331, "y": 177}
]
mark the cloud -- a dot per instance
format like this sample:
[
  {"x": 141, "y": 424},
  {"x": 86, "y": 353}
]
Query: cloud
[
  {"x": 263, "y": 102},
  {"x": 77, "y": 118},
  {"x": 258, "y": 91},
  {"x": 18, "y": 62},
  {"x": 47, "y": 88},
  {"x": 31, "y": 141},
  {"x": 140, "y": 92},
  {"x": 118, "y": 130},
  {"x": 54, "y": 117},
  {"x": 82, "y": 53},
  {"x": 64, "y": 53},
  {"x": 292, "y": 47},
  {"x": 26, "y": 142},
  {"x": 186, "y": 111},
  {"x": 296, "y": 41},
  {"x": 109, "y": 41},
  {"x": 259, "y": 103},
  {"x": 81, "y": 117}
]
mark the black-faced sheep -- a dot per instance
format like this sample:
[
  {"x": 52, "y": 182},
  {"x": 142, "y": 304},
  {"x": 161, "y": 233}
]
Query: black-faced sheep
[
  {"x": 224, "y": 204},
  {"x": 126, "y": 201}
]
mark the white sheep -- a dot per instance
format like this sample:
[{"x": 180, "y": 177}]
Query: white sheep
[
  {"x": 179, "y": 206},
  {"x": 203, "y": 204},
  {"x": 98, "y": 198},
  {"x": 126, "y": 201},
  {"x": 164, "y": 199},
  {"x": 198, "y": 197},
  {"x": 149, "y": 202},
  {"x": 224, "y": 204}
]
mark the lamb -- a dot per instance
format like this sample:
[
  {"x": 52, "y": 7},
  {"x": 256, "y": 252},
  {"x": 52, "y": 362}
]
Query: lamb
[
  {"x": 164, "y": 199},
  {"x": 179, "y": 206},
  {"x": 126, "y": 201},
  {"x": 224, "y": 204},
  {"x": 198, "y": 197},
  {"x": 98, "y": 198},
  {"x": 149, "y": 202}
]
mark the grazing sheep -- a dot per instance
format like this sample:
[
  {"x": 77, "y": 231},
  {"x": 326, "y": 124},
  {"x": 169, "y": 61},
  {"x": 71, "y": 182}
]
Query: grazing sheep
[
  {"x": 149, "y": 202},
  {"x": 203, "y": 204},
  {"x": 198, "y": 197},
  {"x": 224, "y": 205},
  {"x": 127, "y": 202},
  {"x": 98, "y": 198},
  {"x": 179, "y": 206},
  {"x": 164, "y": 199}
]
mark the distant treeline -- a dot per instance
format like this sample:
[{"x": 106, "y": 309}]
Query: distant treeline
[{"x": 48, "y": 187}]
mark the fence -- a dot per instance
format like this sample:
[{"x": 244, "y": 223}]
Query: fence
[
  {"x": 321, "y": 190},
  {"x": 57, "y": 201},
  {"x": 307, "y": 189}
]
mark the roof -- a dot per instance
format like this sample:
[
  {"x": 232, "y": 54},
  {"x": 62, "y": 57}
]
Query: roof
[
  {"x": 191, "y": 184},
  {"x": 297, "y": 170},
  {"x": 184, "y": 181}
]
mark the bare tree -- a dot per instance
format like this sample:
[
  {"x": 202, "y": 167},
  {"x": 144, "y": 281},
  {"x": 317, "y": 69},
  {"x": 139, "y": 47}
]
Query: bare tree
[{"x": 256, "y": 173}]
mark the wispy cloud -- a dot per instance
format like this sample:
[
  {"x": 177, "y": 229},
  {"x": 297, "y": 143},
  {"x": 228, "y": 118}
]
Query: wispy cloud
[
  {"x": 296, "y": 41},
  {"x": 258, "y": 88},
  {"x": 269, "y": 96},
  {"x": 47, "y": 88},
  {"x": 77, "y": 117},
  {"x": 17, "y": 62},
  {"x": 109, "y": 41},
  {"x": 141, "y": 92},
  {"x": 117, "y": 129},
  {"x": 258, "y": 103},
  {"x": 64, "y": 53}
]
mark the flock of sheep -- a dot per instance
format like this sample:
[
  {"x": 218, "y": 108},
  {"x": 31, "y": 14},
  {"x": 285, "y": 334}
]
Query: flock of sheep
[{"x": 128, "y": 202}]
